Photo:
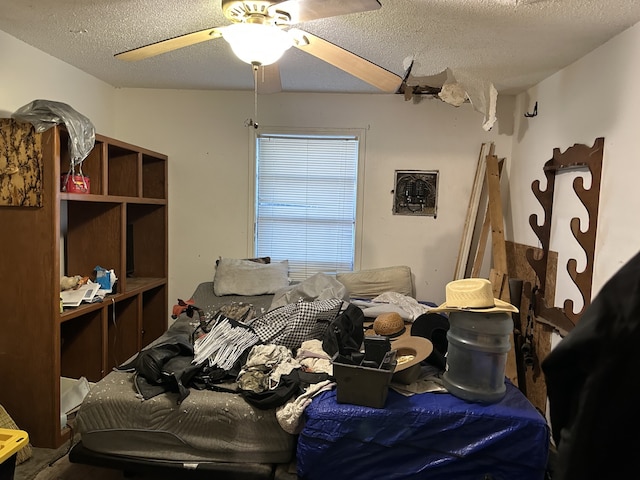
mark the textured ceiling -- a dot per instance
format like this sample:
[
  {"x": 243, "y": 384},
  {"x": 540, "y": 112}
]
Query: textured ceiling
[{"x": 512, "y": 43}]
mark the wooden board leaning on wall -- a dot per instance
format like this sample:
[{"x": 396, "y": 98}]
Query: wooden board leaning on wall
[{"x": 534, "y": 384}]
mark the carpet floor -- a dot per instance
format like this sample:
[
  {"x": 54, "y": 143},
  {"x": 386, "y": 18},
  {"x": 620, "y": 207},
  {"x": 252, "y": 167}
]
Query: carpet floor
[
  {"x": 50, "y": 464},
  {"x": 53, "y": 464},
  {"x": 63, "y": 469}
]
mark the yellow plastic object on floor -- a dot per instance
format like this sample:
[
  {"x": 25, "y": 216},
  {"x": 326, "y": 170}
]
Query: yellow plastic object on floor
[
  {"x": 6, "y": 421},
  {"x": 11, "y": 441}
]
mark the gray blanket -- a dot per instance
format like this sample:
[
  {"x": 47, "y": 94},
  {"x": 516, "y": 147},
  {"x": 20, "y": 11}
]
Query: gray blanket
[{"x": 208, "y": 426}]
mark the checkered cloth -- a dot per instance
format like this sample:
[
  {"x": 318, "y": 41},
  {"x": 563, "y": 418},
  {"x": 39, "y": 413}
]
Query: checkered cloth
[{"x": 294, "y": 323}]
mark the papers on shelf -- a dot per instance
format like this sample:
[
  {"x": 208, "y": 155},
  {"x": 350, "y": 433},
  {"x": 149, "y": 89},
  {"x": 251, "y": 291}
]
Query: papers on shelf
[{"x": 84, "y": 293}]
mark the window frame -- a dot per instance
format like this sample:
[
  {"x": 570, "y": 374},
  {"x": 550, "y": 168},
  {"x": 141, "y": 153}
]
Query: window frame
[{"x": 358, "y": 133}]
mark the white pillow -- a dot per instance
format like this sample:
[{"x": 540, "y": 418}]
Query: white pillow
[
  {"x": 376, "y": 281},
  {"x": 244, "y": 277}
]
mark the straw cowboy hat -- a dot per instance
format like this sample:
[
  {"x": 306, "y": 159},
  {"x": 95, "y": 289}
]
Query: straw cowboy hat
[{"x": 473, "y": 295}]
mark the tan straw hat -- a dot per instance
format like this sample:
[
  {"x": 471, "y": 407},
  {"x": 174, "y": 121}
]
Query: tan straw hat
[
  {"x": 472, "y": 295},
  {"x": 389, "y": 324}
]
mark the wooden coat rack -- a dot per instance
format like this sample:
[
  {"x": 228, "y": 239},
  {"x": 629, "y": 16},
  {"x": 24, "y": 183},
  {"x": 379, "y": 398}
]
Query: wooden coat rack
[{"x": 576, "y": 157}]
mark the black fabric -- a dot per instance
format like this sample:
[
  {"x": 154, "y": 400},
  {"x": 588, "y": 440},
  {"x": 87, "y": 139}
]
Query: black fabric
[
  {"x": 159, "y": 369},
  {"x": 434, "y": 327},
  {"x": 291, "y": 385},
  {"x": 307, "y": 379},
  {"x": 171, "y": 380},
  {"x": 593, "y": 384},
  {"x": 167, "y": 367},
  {"x": 346, "y": 333},
  {"x": 204, "y": 377},
  {"x": 288, "y": 387},
  {"x": 151, "y": 363}
]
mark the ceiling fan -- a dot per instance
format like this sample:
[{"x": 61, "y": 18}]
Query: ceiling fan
[{"x": 261, "y": 32}]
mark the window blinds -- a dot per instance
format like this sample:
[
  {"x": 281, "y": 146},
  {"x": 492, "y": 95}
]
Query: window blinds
[{"x": 306, "y": 201}]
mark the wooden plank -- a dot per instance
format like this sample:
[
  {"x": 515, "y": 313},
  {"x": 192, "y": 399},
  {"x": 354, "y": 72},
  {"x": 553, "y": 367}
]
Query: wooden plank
[
  {"x": 500, "y": 283},
  {"x": 484, "y": 235},
  {"x": 499, "y": 250},
  {"x": 498, "y": 280},
  {"x": 482, "y": 245},
  {"x": 498, "y": 246},
  {"x": 472, "y": 212}
]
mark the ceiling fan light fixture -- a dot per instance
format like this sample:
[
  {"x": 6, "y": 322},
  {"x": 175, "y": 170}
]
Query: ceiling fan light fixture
[{"x": 257, "y": 44}]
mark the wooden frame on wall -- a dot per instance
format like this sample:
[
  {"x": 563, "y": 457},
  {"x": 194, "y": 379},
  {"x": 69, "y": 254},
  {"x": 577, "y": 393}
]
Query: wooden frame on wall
[{"x": 576, "y": 157}]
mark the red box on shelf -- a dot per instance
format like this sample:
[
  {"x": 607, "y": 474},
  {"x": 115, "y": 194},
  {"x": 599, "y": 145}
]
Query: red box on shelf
[{"x": 75, "y": 183}]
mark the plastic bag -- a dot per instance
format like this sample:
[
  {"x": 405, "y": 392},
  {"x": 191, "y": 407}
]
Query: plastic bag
[
  {"x": 44, "y": 114},
  {"x": 106, "y": 278}
]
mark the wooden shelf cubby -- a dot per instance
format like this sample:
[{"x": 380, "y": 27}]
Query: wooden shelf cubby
[{"x": 120, "y": 224}]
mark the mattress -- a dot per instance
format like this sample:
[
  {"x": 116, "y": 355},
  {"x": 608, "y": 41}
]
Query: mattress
[
  {"x": 429, "y": 435},
  {"x": 208, "y": 426}
]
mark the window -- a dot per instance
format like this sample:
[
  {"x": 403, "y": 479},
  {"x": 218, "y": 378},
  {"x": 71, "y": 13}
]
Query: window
[{"x": 306, "y": 199}]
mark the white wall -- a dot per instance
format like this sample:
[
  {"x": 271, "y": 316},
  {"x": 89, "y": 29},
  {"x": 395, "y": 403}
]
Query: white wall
[
  {"x": 205, "y": 136},
  {"x": 29, "y": 74},
  {"x": 597, "y": 96}
]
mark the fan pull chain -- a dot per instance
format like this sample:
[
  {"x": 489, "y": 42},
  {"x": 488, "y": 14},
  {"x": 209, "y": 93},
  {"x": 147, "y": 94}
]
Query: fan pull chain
[
  {"x": 255, "y": 95},
  {"x": 253, "y": 122}
]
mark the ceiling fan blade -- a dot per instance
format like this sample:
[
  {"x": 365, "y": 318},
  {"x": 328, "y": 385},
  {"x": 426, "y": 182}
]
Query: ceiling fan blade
[
  {"x": 306, "y": 10},
  {"x": 349, "y": 62},
  {"x": 268, "y": 79},
  {"x": 170, "y": 44}
]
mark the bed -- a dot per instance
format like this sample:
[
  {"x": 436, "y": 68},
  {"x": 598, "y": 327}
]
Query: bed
[
  {"x": 209, "y": 431},
  {"x": 220, "y": 433}
]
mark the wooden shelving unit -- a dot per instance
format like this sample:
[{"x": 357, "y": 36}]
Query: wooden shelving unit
[{"x": 71, "y": 234}]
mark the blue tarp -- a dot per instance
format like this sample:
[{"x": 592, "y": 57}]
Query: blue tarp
[{"x": 426, "y": 436}]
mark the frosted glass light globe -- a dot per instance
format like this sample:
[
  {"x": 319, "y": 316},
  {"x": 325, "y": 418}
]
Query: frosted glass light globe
[{"x": 257, "y": 44}]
